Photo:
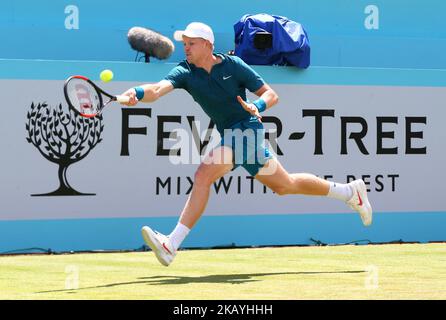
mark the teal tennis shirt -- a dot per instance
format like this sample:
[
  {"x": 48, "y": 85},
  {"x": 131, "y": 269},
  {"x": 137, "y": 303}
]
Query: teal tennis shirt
[{"x": 216, "y": 92}]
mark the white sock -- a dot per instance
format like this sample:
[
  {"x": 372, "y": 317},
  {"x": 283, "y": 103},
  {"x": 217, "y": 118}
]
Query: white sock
[
  {"x": 178, "y": 235},
  {"x": 340, "y": 191}
]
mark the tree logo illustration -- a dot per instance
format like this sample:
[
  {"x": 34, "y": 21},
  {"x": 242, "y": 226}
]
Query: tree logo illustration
[{"x": 63, "y": 138}]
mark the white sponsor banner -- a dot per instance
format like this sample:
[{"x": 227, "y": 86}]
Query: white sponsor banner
[{"x": 392, "y": 137}]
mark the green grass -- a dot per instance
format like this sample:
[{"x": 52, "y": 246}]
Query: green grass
[{"x": 407, "y": 271}]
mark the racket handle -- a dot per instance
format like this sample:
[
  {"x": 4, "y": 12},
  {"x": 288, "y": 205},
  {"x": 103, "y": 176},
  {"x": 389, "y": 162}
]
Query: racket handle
[{"x": 123, "y": 99}]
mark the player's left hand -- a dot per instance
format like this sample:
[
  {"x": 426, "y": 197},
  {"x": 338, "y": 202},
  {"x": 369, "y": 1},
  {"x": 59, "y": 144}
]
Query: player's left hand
[{"x": 251, "y": 108}]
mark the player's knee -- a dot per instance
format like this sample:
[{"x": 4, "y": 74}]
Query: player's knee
[
  {"x": 281, "y": 190},
  {"x": 285, "y": 187},
  {"x": 202, "y": 178}
]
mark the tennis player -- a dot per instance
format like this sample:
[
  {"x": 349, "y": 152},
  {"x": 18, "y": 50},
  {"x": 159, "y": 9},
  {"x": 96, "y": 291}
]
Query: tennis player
[{"x": 218, "y": 83}]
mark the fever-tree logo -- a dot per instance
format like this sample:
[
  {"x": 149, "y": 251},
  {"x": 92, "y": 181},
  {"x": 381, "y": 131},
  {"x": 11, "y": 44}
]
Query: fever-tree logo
[{"x": 63, "y": 138}]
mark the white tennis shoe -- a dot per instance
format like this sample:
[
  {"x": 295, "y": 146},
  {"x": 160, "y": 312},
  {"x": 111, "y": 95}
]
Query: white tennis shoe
[
  {"x": 160, "y": 245},
  {"x": 360, "y": 202}
]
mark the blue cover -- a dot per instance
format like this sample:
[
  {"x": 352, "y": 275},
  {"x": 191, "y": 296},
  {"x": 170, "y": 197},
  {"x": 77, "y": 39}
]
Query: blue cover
[{"x": 290, "y": 41}]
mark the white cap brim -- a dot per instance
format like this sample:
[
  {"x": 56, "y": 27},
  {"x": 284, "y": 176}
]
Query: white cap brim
[{"x": 178, "y": 35}]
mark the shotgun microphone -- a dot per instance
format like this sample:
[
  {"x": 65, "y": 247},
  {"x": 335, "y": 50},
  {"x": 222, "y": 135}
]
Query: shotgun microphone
[{"x": 151, "y": 43}]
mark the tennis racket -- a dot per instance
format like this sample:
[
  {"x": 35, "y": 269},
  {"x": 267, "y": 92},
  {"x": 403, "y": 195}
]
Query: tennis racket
[{"x": 86, "y": 98}]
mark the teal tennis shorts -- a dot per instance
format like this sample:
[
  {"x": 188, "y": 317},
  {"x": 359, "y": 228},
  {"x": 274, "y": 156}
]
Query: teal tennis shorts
[{"x": 247, "y": 141}]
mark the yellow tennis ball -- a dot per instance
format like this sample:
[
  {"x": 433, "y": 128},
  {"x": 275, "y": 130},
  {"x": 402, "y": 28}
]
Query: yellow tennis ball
[{"x": 106, "y": 75}]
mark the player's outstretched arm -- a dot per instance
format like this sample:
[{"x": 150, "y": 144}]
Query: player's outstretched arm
[{"x": 148, "y": 92}]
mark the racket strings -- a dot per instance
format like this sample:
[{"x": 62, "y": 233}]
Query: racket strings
[{"x": 83, "y": 97}]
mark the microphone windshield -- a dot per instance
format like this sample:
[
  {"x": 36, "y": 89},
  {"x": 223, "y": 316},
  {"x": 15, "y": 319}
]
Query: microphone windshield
[{"x": 150, "y": 42}]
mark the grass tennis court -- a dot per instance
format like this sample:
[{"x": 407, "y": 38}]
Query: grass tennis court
[{"x": 402, "y": 271}]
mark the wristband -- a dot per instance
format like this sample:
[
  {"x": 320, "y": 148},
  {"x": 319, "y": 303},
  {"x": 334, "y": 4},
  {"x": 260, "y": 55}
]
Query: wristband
[
  {"x": 260, "y": 104},
  {"x": 139, "y": 92}
]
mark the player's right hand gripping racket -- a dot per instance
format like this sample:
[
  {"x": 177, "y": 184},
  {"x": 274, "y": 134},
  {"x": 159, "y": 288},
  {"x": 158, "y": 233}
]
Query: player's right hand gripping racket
[{"x": 86, "y": 98}]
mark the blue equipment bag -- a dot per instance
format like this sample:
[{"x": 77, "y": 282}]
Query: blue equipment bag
[{"x": 264, "y": 39}]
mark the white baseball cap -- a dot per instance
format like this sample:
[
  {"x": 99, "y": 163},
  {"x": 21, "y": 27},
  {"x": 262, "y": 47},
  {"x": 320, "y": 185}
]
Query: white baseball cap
[{"x": 195, "y": 30}]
